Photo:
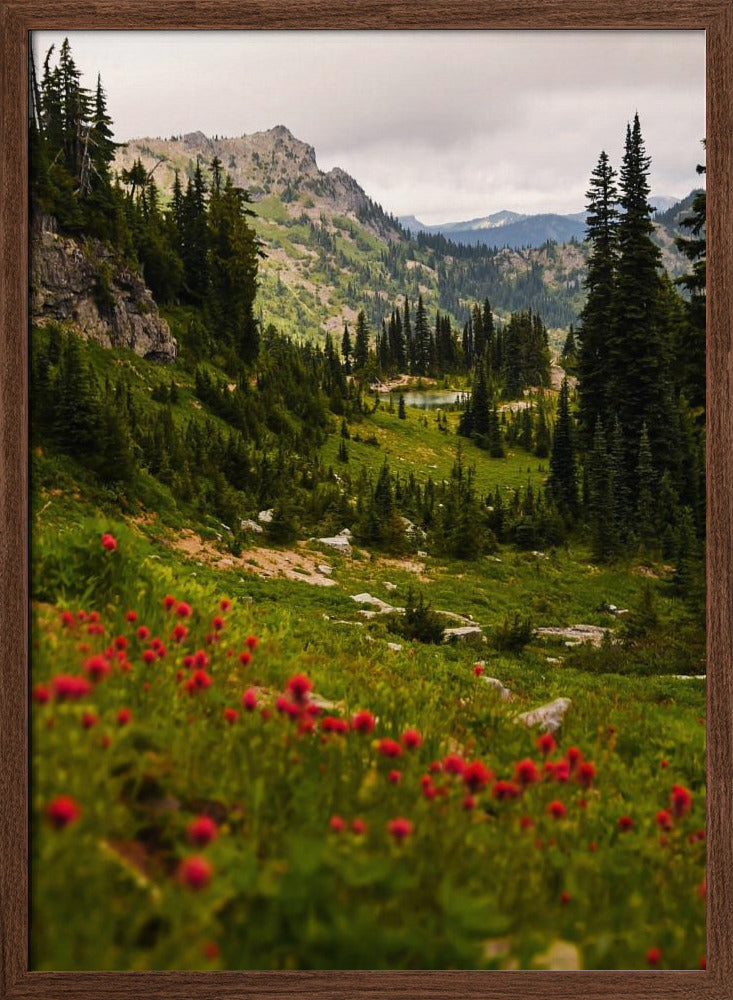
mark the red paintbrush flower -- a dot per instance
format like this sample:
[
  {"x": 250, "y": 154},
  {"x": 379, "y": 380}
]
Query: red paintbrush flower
[
  {"x": 505, "y": 791},
  {"x": 202, "y": 831},
  {"x": 654, "y": 956},
  {"x": 399, "y": 828},
  {"x": 41, "y": 694},
  {"x": 251, "y": 642},
  {"x": 556, "y": 809},
  {"x": 249, "y": 700},
  {"x": 109, "y": 542},
  {"x": 124, "y": 716},
  {"x": 183, "y": 610},
  {"x": 625, "y": 823},
  {"x": 332, "y": 724},
  {"x": 337, "y": 824},
  {"x": 663, "y": 819},
  {"x": 68, "y": 687},
  {"x": 363, "y": 722},
  {"x": 526, "y": 772},
  {"x": 411, "y": 739},
  {"x": 245, "y": 658},
  {"x": 98, "y": 667},
  {"x": 195, "y": 872},
  {"x": 453, "y": 764},
  {"x": 231, "y": 715},
  {"x": 389, "y": 748},
  {"x": 586, "y": 774},
  {"x": 681, "y": 801},
  {"x": 299, "y": 686},
  {"x": 477, "y": 775},
  {"x": 62, "y": 812},
  {"x": 546, "y": 743},
  {"x": 558, "y": 770}
]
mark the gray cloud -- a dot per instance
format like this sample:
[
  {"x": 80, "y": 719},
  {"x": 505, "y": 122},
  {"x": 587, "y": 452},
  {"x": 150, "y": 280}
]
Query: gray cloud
[{"x": 444, "y": 125}]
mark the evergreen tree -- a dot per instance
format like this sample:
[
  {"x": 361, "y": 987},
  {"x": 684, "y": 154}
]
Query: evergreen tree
[
  {"x": 638, "y": 358},
  {"x": 543, "y": 438},
  {"x": 361, "y": 346},
  {"x": 563, "y": 482},
  {"x": 77, "y": 403},
  {"x": 480, "y": 403},
  {"x": 422, "y": 340},
  {"x": 604, "y": 541},
  {"x": 600, "y": 283},
  {"x": 401, "y": 411},
  {"x": 691, "y": 339},
  {"x": 645, "y": 495},
  {"x": 346, "y": 349},
  {"x": 233, "y": 257}
]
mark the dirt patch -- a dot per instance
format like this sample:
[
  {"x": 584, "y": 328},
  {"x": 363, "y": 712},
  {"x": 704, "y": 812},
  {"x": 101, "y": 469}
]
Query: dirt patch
[
  {"x": 282, "y": 564},
  {"x": 654, "y": 574},
  {"x": 405, "y": 566}
]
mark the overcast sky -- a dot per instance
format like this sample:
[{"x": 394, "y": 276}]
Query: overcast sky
[{"x": 443, "y": 125}]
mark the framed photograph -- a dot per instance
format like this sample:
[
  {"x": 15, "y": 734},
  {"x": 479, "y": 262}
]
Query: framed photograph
[{"x": 365, "y": 567}]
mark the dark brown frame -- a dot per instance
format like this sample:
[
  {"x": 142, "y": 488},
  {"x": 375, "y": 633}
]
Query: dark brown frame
[{"x": 17, "y": 18}]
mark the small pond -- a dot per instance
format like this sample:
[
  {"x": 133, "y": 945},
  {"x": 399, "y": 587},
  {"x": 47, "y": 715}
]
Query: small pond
[{"x": 431, "y": 399}]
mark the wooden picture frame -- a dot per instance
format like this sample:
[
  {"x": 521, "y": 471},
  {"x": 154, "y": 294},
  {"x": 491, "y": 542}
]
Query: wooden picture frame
[{"x": 18, "y": 18}]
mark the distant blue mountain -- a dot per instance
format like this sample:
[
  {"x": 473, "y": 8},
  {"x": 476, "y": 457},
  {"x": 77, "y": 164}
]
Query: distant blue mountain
[{"x": 512, "y": 229}]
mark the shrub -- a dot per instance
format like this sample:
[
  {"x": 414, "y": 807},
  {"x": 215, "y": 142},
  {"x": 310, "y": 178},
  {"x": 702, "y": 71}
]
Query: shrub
[
  {"x": 419, "y": 620},
  {"x": 513, "y": 634}
]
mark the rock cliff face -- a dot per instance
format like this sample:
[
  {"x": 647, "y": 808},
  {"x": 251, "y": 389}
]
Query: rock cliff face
[{"x": 87, "y": 286}]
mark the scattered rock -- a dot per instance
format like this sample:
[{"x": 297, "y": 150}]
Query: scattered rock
[
  {"x": 394, "y": 646},
  {"x": 421, "y": 554},
  {"x": 412, "y": 531},
  {"x": 553, "y": 659},
  {"x": 503, "y": 692},
  {"x": 465, "y": 619},
  {"x": 325, "y": 569},
  {"x": 265, "y": 516},
  {"x": 575, "y": 634},
  {"x": 339, "y": 542},
  {"x": 612, "y": 609},
  {"x": 375, "y": 602},
  {"x": 344, "y": 533},
  {"x": 689, "y": 677},
  {"x": 389, "y": 586},
  {"x": 251, "y": 526},
  {"x": 462, "y": 633},
  {"x": 548, "y": 717}
]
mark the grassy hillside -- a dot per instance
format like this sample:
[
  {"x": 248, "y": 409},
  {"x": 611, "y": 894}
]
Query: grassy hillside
[{"x": 309, "y": 855}]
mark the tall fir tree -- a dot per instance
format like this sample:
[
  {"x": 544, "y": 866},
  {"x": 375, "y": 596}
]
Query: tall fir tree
[
  {"x": 361, "y": 343},
  {"x": 638, "y": 385},
  {"x": 595, "y": 331},
  {"x": 563, "y": 482}
]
